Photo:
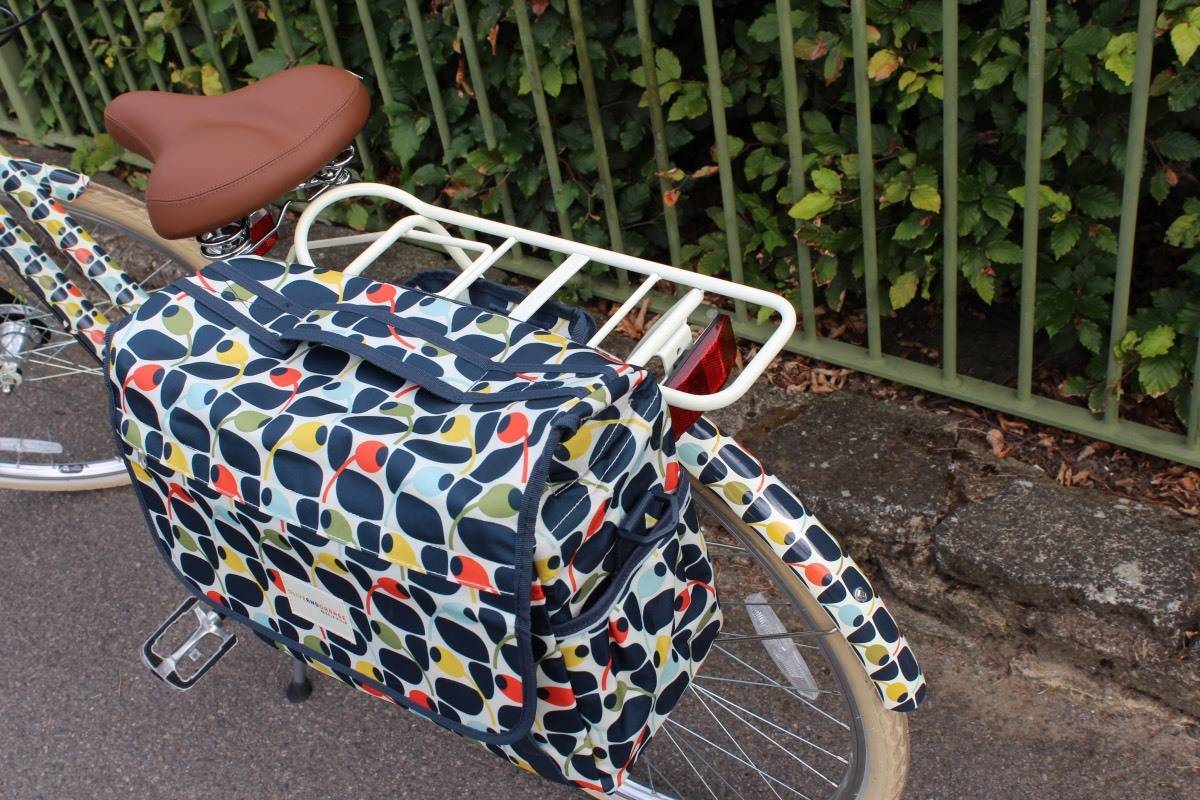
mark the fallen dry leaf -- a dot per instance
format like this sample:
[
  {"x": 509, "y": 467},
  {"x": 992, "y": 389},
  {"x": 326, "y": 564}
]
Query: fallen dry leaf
[{"x": 995, "y": 438}]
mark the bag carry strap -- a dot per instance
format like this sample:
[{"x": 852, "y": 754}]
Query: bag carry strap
[
  {"x": 300, "y": 328},
  {"x": 633, "y": 533}
]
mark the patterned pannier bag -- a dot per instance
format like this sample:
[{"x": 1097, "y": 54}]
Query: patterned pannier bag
[{"x": 480, "y": 519}]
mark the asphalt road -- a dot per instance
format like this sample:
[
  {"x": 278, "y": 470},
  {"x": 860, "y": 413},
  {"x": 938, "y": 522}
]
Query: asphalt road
[{"x": 80, "y": 717}]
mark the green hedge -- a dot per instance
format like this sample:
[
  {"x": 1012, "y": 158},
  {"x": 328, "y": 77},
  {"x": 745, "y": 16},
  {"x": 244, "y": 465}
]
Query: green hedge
[{"x": 1089, "y": 69}]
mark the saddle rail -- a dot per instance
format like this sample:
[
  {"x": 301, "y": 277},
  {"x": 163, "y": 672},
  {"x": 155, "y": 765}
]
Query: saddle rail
[{"x": 667, "y": 339}]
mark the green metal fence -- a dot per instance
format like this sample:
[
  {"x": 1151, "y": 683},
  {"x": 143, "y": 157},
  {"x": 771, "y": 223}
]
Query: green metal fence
[{"x": 945, "y": 379}]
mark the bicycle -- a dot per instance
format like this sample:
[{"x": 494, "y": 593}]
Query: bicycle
[{"x": 792, "y": 706}]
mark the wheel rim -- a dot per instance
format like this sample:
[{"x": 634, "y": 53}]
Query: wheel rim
[
  {"x": 53, "y": 429},
  {"x": 743, "y": 729}
]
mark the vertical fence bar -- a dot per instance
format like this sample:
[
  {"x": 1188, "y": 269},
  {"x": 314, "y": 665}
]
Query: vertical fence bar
[
  {"x": 135, "y": 19},
  {"x": 791, "y": 104},
  {"x": 1193, "y": 431},
  {"x": 658, "y": 128},
  {"x": 69, "y": 67},
  {"x": 335, "y": 55},
  {"x": 376, "y": 52},
  {"x": 592, "y": 106},
  {"x": 185, "y": 58},
  {"x": 331, "y": 43},
  {"x": 1135, "y": 150},
  {"x": 81, "y": 36},
  {"x": 866, "y": 175},
  {"x": 479, "y": 82},
  {"x": 533, "y": 70},
  {"x": 950, "y": 191},
  {"x": 716, "y": 102},
  {"x": 1033, "y": 179},
  {"x": 9, "y": 65},
  {"x": 210, "y": 42},
  {"x": 285, "y": 36},
  {"x": 111, "y": 32},
  {"x": 239, "y": 8},
  {"x": 51, "y": 95},
  {"x": 431, "y": 84}
]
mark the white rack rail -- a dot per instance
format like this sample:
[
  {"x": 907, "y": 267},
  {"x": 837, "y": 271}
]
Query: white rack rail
[{"x": 667, "y": 338}]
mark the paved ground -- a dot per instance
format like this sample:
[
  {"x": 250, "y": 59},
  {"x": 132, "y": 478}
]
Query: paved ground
[{"x": 80, "y": 587}]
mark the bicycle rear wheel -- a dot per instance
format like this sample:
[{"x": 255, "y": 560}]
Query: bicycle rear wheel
[
  {"x": 772, "y": 716},
  {"x": 54, "y": 433}
]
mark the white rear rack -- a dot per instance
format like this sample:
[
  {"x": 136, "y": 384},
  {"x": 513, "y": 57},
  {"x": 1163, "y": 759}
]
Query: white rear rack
[{"x": 667, "y": 338}]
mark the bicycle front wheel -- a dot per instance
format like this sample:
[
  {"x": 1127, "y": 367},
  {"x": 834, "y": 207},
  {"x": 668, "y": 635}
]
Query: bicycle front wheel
[
  {"x": 54, "y": 431},
  {"x": 771, "y": 716}
]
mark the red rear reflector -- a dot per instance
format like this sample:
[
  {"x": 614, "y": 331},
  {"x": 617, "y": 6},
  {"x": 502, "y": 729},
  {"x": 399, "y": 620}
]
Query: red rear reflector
[
  {"x": 703, "y": 369},
  {"x": 263, "y": 229}
]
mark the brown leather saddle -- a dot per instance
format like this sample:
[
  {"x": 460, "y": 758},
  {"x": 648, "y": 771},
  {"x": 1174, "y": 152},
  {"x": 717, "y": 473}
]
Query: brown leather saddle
[{"x": 220, "y": 158}]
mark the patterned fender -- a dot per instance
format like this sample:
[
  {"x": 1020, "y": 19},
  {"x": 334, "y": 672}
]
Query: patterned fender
[{"x": 826, "y": 570}]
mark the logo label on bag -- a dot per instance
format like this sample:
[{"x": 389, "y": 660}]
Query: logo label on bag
[{"x": 318, "y": 606}]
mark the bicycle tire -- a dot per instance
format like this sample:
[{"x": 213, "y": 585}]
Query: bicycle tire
[{"x": 128, "y": 214}]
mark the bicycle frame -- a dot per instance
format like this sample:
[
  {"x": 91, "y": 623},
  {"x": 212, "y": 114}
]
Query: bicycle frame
[
  {"x": 720, "y": 463},
  {"x": 41, "y": 189}
]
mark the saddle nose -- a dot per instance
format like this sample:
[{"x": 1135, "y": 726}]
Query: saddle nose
[{"x": 217, "y": 159}]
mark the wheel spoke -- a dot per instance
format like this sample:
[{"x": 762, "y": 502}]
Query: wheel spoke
[
  {"x": 793, "y": 693},
  {"x": 766, "y": 775},
  {"x": 727, "y": 703}
]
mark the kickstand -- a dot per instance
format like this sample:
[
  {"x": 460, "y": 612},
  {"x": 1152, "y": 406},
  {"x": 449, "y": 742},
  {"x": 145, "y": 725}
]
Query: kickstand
[{"x": 299, "y": 687}]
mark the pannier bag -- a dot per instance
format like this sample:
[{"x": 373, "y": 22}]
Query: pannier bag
[{"x": 477, "y": 518}]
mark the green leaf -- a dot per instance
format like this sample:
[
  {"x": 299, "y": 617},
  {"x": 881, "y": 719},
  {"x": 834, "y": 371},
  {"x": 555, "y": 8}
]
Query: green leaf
[
  {"x": 1156, "y": 342},
  {"x": 690, "y": 104},
  {"x": 827, "y": 181},
  {"x": 1077, "y": 138},
  {"x": 1159, "y": 375},
  {"x": 1179, "y": 146},
  {"x": 357, "y": 217},
  {"x": 994, "y": 73},
  {"x": 1099, "y": 202},
  {"x": 1185, "y": 38},
  {"x": 552, "y": 79},
  {"x": 210, "y": 80},
  {"x": 926, "y": 198},
  {"x": 667, "y": 64},
  {"x": 1090, "y": 335},
  {"x": 811, "y": 205},
  {"x": 1004, "y": 252},
  {"x": 1012, "y": 13},
  {"x": 403, "y": 137},
  {"x": 269, "y": 62},
  {"x": 903, "y": 289},
  {"x": 156, "y": 48},
  {"x": 765, "y": 28},
  {"x": 1053, "y": 141},
  {"x": 1065, "y": 236},
  {"x": 999, "y": 206},
  {"x": 1184, "y": 231},
  {"x": 1075, "y": 387},
  {"x": 1087, "y": 41},
  {"x": 926, "y": 15},
  {"x": 1118, "y": 56},
  {"x": 909, "y": 229}
]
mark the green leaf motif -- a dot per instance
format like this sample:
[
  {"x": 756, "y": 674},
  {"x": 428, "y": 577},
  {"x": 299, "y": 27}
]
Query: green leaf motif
[{"x": 811, "y": 205}]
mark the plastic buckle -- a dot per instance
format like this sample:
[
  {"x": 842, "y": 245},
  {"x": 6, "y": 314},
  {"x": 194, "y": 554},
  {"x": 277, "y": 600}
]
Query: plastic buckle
[{"x": 635, "y": 520}]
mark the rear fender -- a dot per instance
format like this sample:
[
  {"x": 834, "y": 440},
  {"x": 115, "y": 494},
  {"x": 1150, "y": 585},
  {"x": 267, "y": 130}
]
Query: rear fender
[{"x": 826, "y": 570}]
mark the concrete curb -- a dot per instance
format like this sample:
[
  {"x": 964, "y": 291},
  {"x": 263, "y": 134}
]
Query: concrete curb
[{"x": 994, "y": 548}]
